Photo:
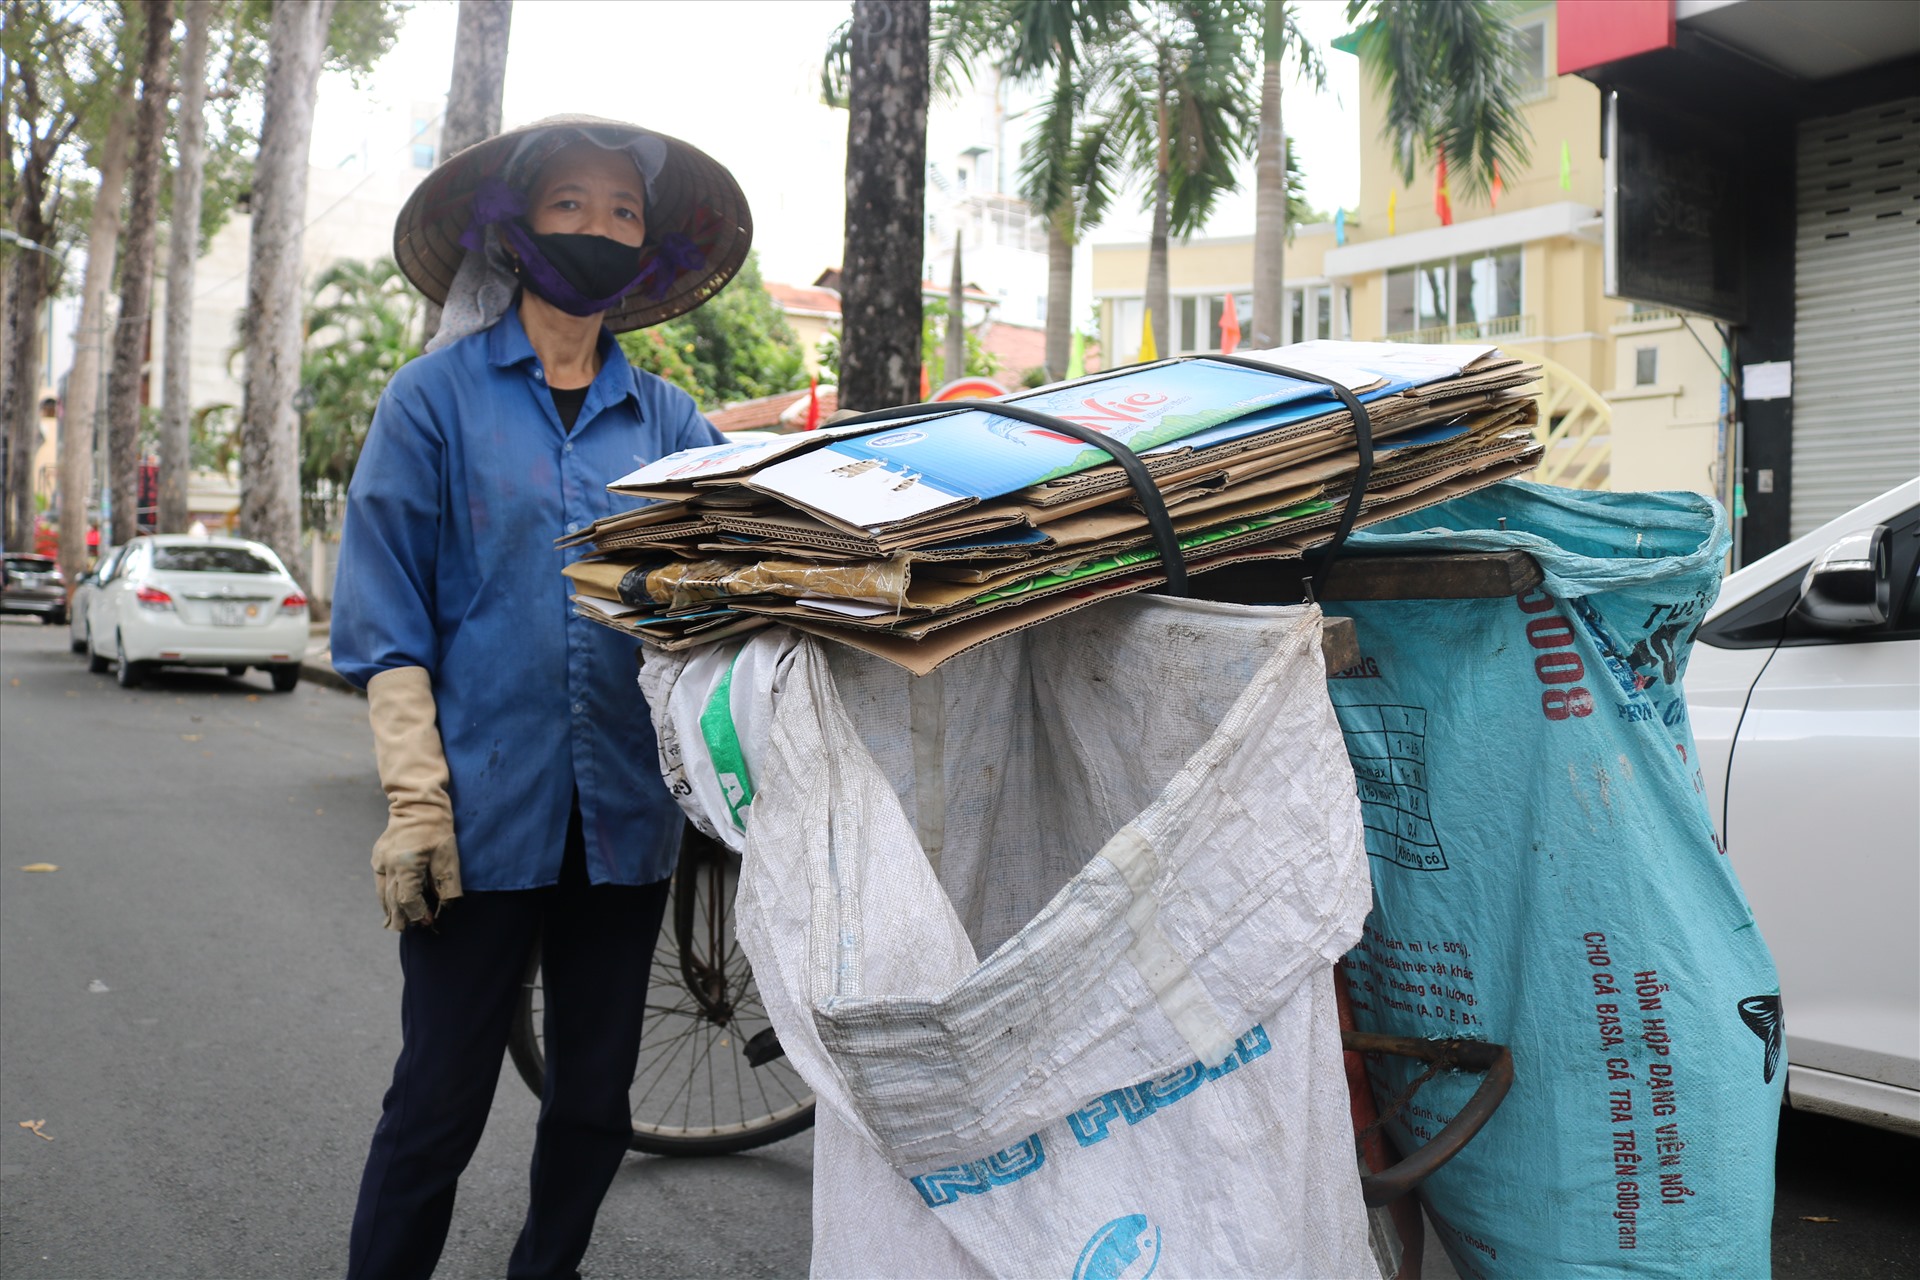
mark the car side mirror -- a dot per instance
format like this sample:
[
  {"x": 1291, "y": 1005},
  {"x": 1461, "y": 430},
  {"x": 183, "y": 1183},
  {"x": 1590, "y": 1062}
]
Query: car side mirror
[{"x": 1849, "y": 585}]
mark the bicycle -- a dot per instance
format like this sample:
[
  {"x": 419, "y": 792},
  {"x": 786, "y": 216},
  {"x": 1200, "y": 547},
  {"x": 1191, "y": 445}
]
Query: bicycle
[{"x": 712, "y": 1079}]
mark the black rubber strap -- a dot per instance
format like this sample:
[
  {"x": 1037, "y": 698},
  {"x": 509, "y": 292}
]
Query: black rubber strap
[
  {"x": 1363, "y": 432},
  {"x": 1161, "y": 524}
]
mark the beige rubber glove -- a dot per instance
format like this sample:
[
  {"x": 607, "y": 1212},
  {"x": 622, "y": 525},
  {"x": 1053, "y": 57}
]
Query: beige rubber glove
[{"x": 418, "y": 841}]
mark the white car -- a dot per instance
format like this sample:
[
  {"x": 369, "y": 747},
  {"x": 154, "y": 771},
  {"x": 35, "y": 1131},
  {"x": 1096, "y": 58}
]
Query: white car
[
  {"x": 1805, "y": 697},
  {"x": 197, "y": 602},
  {"x": 85, "y": 588}
]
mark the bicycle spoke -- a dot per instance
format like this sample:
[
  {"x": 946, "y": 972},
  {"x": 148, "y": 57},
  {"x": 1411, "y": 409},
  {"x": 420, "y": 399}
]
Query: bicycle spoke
[{"x": 701, "y": 1010}]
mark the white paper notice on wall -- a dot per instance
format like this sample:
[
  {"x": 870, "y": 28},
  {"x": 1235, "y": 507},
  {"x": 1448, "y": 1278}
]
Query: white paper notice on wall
[{"x": 1770, "y": 381}]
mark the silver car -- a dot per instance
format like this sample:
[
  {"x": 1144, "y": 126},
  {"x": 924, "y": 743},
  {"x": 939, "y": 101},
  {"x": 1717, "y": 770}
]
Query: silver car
[{"x": 34, "y": 584}]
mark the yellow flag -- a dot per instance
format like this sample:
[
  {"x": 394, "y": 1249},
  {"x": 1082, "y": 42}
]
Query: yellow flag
[
  {"x": 1393, "y": 205},
  {"x": 1149, "y": 350}
]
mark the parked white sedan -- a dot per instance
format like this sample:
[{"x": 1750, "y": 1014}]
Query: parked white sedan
[
  {"x": 85, "y": 588},
  {"x": 1805, "y": 697},
  {"x": 198, "y": 602}
]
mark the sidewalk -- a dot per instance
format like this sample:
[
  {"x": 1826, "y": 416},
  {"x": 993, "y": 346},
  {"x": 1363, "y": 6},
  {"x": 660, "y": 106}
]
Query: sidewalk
[{"x": 317, "y": 666}]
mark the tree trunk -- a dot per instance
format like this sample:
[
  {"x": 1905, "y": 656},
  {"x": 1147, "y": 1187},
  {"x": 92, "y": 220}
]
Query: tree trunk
[
  {"x": 1060, "y": 237},
  {"x": 886, "y": 205},
  {"x": 26, "y": 293},
  {"x": 474, "y": 93},
  {"x": 1157, "y": 296},
  {"x": 269, "y": 430},
  {"x": 136, "y": 271},
  {"x": 6, "y": 389},
  {"x": 956, "y": 361},
  {"x": 92, "y": 340},
  {"x": 1270, "y": 194},
  {"x": 1059, "y": 299},
  {"x": 183, "y": 244}
]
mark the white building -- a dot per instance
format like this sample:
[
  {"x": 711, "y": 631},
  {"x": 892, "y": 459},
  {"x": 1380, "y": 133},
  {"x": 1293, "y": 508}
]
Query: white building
[
  {"x": 973, "y": 179},
  {"x": 351, "y": 207}
]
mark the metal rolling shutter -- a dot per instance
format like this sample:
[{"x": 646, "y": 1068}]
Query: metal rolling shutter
[{"x": 1856, "y": 341}]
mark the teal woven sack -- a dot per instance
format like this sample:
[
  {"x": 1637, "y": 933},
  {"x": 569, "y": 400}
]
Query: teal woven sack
[{"x": 1546, "y": 875}]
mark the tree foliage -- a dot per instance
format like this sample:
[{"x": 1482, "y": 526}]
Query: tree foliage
[
  {"x": 1181, "y": 71},
  {"x": 980, "y": 363},
  {"x": 362, "y": 325},
  {"x": 1451, "y": 74},
  {"x": 960, "y": 33},
  {"x": 736, "y": 347}
]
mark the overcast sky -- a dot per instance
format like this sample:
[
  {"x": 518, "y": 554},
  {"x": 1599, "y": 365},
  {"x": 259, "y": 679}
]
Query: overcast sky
[{"x": 740, "y": 80}]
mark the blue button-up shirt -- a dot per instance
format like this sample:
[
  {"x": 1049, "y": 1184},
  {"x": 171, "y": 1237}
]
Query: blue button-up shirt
[{"x": 447, "y": 562}]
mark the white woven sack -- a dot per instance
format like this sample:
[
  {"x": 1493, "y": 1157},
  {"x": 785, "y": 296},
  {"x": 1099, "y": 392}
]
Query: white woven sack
[{"x": 1143, "y": 817}]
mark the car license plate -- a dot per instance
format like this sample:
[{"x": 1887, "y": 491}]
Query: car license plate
[{"x": 229, "y": 614}]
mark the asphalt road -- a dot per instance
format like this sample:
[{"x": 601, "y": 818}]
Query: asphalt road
[
  {"x": 203, "y": 1008},
  {"x": 201, "y": 1005}
]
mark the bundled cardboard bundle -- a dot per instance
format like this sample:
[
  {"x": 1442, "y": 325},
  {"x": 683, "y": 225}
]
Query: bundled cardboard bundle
[{"x": 920, "y": 537}]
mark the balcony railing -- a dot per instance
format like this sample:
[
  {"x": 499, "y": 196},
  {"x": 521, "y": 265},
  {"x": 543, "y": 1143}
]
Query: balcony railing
[
  {"x": 1468, "y": 330},
  {"x": 1647, "y": 315}
]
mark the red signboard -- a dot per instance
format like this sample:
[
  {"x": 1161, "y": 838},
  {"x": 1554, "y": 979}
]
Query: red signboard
[{"x": 1593, "y": 32}]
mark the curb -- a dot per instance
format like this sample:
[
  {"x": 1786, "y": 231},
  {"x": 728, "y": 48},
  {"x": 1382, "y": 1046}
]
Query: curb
[
  {"x": 317, "y": 666},
  {"x": 314, "y": 669}
]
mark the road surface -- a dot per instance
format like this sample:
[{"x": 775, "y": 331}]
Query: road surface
[{"x": 201, "y": 1005}]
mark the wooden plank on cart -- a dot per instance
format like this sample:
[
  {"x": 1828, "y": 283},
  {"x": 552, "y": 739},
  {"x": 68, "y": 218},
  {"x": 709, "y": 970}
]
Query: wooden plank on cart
[
  {"x": 1451, "y": 575},
  {"x": 1454, "y": 575}
]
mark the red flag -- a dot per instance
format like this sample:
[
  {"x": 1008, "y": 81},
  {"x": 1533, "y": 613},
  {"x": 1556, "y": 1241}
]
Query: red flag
[
  {"x": 813, "y": 402},
  {"x": 926, "y": 385},
  {"x": 1498, "y": 189},
  {"x": 1229, "y": 328},
  {"x": 1442, "y": 205}
]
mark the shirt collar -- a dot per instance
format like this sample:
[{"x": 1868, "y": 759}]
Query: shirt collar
[{"x": 508, "y": 347}]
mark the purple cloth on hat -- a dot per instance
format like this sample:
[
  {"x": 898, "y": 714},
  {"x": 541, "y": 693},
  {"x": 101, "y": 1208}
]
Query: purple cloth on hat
[{"x": 497, "y": 204}]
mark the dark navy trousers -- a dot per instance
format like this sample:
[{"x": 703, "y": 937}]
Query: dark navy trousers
[{"x": 462, "y": 981}]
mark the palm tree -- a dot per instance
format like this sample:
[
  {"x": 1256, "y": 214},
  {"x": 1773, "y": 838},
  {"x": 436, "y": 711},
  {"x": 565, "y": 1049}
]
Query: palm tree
[
  {"x": 1452, "y": 78},
  {"x": 1274, "y": 167},
  {"x": 1054, "y": 37},
  {"x": 1178, "y": 108},
  {"x": 362, "y": 325}
]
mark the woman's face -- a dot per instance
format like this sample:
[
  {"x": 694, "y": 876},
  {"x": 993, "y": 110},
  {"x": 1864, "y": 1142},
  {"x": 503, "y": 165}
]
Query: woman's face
[{"x": 587, "y": 190}]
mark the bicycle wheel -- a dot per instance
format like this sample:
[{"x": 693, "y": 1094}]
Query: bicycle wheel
[{"x": 697, "y": 1090}]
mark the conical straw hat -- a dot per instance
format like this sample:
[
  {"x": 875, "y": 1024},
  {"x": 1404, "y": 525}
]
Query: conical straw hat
[{"x": 426, "y": 238}]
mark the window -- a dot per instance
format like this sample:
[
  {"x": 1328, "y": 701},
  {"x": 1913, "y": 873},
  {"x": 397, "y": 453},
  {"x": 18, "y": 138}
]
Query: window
[
  {"x": 1530, "y": 39},
  {"x": 1197, "y": 317},
  {"x": 209, "y": 559},
  {"x": 1454, "y": 291},
  {"x": 1309, "y": 313},
  {"x": 423, "y": 155},
  {"x": 1127, "y": 314},
  {"x": 1646, "y": 366}
]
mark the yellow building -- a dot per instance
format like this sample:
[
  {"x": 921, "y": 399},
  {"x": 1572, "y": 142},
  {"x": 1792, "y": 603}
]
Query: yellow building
[{"x": 1641, "y": 386}]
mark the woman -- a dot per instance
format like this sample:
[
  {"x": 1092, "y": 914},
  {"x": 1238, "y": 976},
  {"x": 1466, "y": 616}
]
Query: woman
[{"x": 517, "y": 755}]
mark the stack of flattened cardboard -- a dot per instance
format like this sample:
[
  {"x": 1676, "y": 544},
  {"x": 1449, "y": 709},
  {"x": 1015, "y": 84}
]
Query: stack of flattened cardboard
[{"x": 920, "y": 538}]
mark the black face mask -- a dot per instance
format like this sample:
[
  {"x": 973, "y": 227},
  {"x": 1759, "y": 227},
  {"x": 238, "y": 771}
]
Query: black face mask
[{"x": 594, "y": 272}]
